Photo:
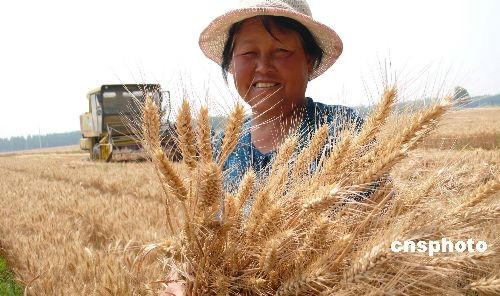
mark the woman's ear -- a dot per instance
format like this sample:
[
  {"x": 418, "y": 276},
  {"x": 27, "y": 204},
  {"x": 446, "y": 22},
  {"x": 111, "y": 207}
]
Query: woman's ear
[{"x": 310, "y": 66}]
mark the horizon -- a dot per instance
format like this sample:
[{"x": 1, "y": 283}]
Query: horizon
[{"x": 218, "y": 115}]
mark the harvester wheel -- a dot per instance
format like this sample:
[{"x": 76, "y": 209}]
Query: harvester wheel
[{"x": 92, "y": 150}]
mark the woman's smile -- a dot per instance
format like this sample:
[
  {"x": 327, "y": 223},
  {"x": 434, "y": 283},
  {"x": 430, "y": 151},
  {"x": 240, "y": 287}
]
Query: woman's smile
[{"x": 265, "y": 84}]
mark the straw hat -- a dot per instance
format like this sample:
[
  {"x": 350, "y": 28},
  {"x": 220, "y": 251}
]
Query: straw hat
[{"x": 213, "y": 38}]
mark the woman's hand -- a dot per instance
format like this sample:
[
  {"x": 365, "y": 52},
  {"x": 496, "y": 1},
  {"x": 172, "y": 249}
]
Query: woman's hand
[{"x": 174, "y": 289}]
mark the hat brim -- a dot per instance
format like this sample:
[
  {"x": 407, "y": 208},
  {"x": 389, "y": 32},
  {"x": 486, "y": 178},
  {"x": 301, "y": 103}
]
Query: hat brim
[{"x": 213, "y": 38}]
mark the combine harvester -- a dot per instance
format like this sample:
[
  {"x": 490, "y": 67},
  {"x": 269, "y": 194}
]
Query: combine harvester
[{"x": 106, "y": 127}]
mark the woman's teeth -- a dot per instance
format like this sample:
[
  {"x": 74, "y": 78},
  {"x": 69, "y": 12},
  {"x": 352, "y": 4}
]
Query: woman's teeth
[{"x": 265, "y": 84}]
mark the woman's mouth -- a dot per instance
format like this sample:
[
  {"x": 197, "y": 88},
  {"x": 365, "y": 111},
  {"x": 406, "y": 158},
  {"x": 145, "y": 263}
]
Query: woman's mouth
[{"x": 265, "y": 84}]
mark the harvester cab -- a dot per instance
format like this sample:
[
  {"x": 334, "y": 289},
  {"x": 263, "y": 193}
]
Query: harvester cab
[{"x": 106, "y": 127}]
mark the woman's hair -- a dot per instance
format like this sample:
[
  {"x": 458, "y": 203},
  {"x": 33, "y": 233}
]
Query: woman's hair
[{"x": 311, "y": 47}]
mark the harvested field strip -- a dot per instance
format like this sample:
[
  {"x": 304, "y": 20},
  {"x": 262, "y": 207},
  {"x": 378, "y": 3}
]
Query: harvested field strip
[
  {"x": 477, "y": 120},
  {"x": 484, "y": 140},
  {"x": 467, "y": 129}
]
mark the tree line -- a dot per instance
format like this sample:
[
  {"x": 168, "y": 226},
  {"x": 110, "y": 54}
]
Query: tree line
[{"x": 39, "y": 141}]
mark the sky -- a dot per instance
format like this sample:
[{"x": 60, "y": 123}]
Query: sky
[{"x": 53, "y": 52}]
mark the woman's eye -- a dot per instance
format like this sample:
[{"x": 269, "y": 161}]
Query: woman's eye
[
  {"x": 282, "y": 52},
  {"x": 246, "y": 53}
]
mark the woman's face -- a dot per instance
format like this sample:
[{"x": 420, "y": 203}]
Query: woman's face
[{"x": 269, "y": 73}]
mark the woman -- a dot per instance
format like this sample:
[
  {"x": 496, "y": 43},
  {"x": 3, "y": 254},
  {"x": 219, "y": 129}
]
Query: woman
[{"x": 273, "y": 49}]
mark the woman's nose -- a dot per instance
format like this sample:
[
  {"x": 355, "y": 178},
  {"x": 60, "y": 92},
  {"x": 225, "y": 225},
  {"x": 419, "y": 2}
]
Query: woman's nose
[{"x": 264, "y": 64}]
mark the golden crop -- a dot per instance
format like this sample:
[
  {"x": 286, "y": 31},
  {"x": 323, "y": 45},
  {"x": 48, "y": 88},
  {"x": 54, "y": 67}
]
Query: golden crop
[{"x": 72, "y": 227}]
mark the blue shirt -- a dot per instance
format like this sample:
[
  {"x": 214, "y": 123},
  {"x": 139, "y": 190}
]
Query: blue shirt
[{"x": 245, "y": 155}]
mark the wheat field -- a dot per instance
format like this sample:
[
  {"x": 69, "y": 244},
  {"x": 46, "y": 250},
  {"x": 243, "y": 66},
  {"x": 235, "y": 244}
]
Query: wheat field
[{"x": 72, "y": 227}]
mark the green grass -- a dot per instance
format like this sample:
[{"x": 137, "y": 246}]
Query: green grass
[{"x": 8, "y": 286}]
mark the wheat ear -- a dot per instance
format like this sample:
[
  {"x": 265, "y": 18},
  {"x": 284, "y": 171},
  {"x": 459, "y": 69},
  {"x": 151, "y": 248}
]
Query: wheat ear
[
  {"x": 377, "y": 118},
  {"x": 170, "y": 176},
  {"x": 245, "y": 189},
  {"x": 261, "y": 212},
  {"x": 230, "y": 213},
  {"x": 388, "y": 154},
  {"x": 317, "y": 235},
  {"x": 271, "y": 250},
  {"x": 373, "y": 258},
  {"x": 302, "y": 283},
  {"x": 231, "y": 133},
  {"x": 307, "y": 155},
  {"x": 284, "y": 153},
  {"x": 421, "y": 124},
  {"x": 488, "y": 286},
  {"x": 482, "y": 193},
  {"x": 170, "y": 246},
  {"x": 204, "y": 129},
  {"x": 150, "y": 125},
  {"x": 334, "y": 163},
  {"x": 186, "y": 135},
  {"x": 210, "y": 190},
  {"x": 323, "y": 198},
  {"x": 466, "y": 259},
  {"x": 278, "y": 175}
]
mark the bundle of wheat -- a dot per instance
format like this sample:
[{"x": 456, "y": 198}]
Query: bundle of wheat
[{"x": 307, "y": 232}]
